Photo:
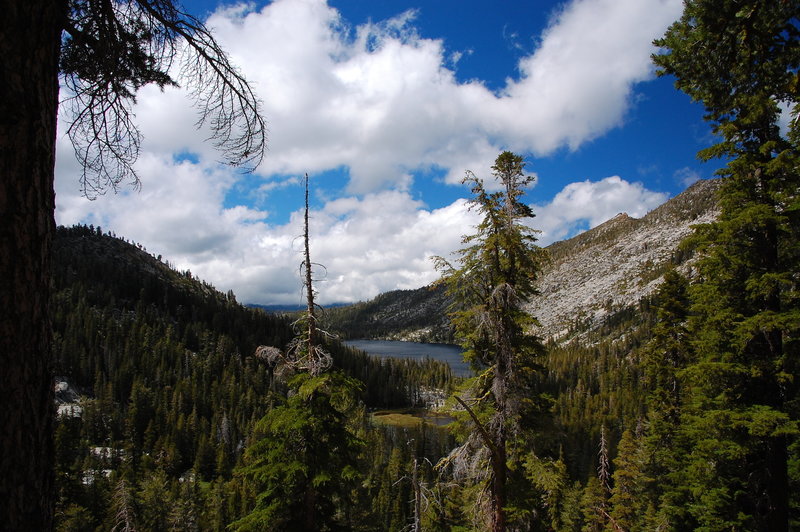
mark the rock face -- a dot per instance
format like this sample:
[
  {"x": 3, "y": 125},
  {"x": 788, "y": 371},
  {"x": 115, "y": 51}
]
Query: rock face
[
  {"x": 606, "y": 268},
  {"x": 618, "y": 262},
  {"x": 67, "y": 398}
]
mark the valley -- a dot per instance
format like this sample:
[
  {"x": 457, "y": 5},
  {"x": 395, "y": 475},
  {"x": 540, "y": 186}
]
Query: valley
[{"x": 162, "y": 394}]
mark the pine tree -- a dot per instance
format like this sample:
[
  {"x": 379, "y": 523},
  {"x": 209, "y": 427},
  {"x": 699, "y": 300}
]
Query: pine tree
[
  {"x": 302, "y": 459},
  {"x": 740, "y": 59},
  {"x": 593, "y": 506},
  {"x": 154, "y": 502},
  {"x": 496, "y": 275},
  {"x": 628, "y": 503},
  {"x": 666, "y": 356}
]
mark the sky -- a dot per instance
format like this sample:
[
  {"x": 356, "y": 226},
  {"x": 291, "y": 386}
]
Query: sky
[{"x": 386, "y": 104}]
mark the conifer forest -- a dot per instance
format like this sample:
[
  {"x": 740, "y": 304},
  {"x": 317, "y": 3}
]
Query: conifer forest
[{"x": 180, "y": 408}]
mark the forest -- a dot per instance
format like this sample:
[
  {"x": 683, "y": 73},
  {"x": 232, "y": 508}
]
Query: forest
[
  {"x": 185, "y": 423},
  {"x": 172, "y": 391}
]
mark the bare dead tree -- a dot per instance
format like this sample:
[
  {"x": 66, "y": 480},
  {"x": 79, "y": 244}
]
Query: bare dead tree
[
  {"x": 124, "y": 513},
  {"x": 603, "y": 466},
  {"x": 305, "y": 351},
  {"x": 112, "y": 49},
  {"x": 422, "y": 493}
]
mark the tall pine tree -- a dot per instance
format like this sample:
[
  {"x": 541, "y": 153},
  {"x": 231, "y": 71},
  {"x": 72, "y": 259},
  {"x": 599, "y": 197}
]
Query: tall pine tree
[
  {"x": 495, "y": 276},
  {"x": 302, "y": 460},
  {"x": 666, "y": 356},
  {"x": 740, "y": 58}
]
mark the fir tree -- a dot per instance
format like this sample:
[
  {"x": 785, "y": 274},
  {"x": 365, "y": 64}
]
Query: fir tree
[
  {"x": 666, "y": 356},
  {"x": 740, "y": 59},
  {"x": 628, "y": 503},
  {"x": 593, "y": 505},
  {"x": 302, "y": 459},
  {"x": 496, "y": 275},
  {"x": 154, "y": 502}
]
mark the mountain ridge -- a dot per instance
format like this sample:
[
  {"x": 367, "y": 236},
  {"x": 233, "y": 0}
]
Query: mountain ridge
[
  {"x": 607, "y": 268},
  {"x": 617, "y": 263}
]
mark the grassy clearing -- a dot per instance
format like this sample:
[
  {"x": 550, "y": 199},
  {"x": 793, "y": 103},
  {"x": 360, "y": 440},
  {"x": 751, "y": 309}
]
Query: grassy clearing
[
  {"x": 397, "y": 419},
  {"x": 410, "y": 418}
]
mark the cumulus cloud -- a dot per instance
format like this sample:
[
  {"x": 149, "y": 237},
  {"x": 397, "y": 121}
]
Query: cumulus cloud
[
  {"x": 586, "y": 204},
  {"x": 371, "y": 244},
  {"x": 578, "y": 83},
  {"x": 381, "y": 102}
]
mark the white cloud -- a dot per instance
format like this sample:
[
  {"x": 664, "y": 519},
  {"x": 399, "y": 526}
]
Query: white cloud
[
  {"x": 686, "y": 176},
  {"x": 382, "y": 102},
  {"x": 587, "y": 204},
  {"x": 578, "y": 83},
  {"x": 371, "y": 244}
]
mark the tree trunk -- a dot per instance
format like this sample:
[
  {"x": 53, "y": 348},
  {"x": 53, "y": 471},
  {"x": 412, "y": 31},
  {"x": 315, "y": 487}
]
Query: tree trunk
[
  {"x": 311, "y": 311},
  {"x": 499, "y": 486},
  {"x": 777, "y": 460},
  {"x": 416, "y": 484},
  {"x": 29, "y": 48}
]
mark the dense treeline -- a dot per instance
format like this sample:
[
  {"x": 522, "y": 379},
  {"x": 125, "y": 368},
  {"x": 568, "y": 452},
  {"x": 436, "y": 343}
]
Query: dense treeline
[
  {"x": 170, "y": 387},
  {"x": 171, "y": 390},
  {"x": 597, "y": 383},
  {"x": 419, "y": 315}
]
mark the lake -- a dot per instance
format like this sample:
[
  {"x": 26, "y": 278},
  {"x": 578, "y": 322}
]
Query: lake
[{"x": 391, "y": 348}]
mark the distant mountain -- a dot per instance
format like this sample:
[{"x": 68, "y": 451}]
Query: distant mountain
[
  {"x": 617, "y": 263},
  {"x": 589, "y": 276},
  {"x": 415, "y": 315},
  {"x": 277, "y": 308}
]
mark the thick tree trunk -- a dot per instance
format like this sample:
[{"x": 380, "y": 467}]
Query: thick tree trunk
[
  {"x": 777, "y": 459},
  {"x": 499, "y": 486},
  {"x": 777, "y": 513},
  {"x": 29, "y": 48}
]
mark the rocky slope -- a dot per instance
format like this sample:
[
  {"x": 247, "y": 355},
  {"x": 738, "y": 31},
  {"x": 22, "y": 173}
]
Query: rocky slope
[
  {"x": 615, "y": 264},
  {"x": 604, "y": 269}
]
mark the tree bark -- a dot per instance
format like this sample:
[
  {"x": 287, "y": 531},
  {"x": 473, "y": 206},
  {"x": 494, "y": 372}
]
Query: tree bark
[
  {"x": 29, "y": 50},
  {"x": 499, "y": 486},
  {"x": 312, "y": 318},
  {"x": 777, "y": 460}
]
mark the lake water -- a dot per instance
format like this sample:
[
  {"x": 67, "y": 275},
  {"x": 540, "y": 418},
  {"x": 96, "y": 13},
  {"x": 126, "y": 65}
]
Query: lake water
[{"x": 390, "y": 348}]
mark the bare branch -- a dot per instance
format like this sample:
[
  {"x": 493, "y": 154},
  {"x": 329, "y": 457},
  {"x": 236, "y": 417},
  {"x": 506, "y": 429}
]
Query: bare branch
[
  {"x": 113, "y": 48},
  {"x": 487, "y": 439}
]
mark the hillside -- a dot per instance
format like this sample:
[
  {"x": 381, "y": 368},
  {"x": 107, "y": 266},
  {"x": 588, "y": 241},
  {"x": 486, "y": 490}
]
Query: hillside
[
  {"x": 116, "y": 288},
  {"x": 605, "y": 269},
  {"x": 413, "y": 315},
  {"x": 159, "y": 392},
  {"x": 617, "y": 263}
]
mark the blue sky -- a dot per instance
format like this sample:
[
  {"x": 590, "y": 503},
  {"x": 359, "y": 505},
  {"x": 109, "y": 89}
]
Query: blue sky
[{"x": 385, "y": 104}]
